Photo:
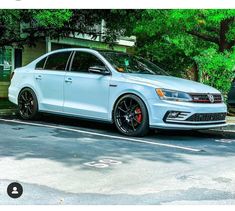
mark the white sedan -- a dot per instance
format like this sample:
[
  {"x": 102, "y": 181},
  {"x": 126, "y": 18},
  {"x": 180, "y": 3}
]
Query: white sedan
[{"x": 114, "y": 87}]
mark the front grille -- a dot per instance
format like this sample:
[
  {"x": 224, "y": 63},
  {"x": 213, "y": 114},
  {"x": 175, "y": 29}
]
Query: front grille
[
  {"x": 206, "y": 98},
  {"x": 203, "y": 117}
]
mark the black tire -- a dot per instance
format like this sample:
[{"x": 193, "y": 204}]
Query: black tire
[
  {"x": 130, "y": 116},
  {"x": 27, "y": 104}
]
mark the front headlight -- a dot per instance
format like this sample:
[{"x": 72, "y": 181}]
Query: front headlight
[{"x": 165, "y": 94}]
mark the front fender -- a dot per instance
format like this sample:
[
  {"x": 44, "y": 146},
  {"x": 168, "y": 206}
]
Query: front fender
[{"x": 140, "y": 92}]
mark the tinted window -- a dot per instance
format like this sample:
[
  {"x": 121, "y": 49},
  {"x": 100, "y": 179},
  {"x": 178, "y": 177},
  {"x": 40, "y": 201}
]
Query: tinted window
[
  {"x": 57, "y": 61},
  {"x": 40, "y": 65},
  {"x": 82, "y": 61}
]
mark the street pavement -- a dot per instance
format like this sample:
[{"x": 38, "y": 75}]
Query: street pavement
[{"x": 68, "y": 161}]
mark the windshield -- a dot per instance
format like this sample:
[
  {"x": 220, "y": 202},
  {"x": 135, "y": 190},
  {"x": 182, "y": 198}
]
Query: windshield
[{"x": 127, "y": 63}]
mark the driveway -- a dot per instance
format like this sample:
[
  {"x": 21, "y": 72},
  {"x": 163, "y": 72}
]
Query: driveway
[{"x": 68, "y": 161}]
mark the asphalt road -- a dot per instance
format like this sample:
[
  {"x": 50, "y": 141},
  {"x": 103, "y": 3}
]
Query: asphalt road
[{"x": 69, "y": 161}]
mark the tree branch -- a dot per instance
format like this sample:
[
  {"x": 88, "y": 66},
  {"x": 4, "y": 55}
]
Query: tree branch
[
  {"x": 204, "y": 37},
  {"x": 7, "y": 42}
]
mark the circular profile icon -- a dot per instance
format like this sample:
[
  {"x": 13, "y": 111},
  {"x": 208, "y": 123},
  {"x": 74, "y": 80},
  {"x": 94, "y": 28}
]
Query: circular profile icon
[{"x": 14, "y": 190}]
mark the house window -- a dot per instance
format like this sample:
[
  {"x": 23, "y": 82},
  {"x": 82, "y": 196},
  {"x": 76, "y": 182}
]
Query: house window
[
  {"x": 5, "y": 64},
  {"x": 18, "y": 58}
]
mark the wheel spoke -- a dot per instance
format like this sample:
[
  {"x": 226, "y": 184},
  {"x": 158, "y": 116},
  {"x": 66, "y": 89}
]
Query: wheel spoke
[
  {"x": 27, "y": 111},
  {"x": 30, "y": 110},
  {"x": 134, "y": 107},
  {"x": 120, "y": 116},
  {"x": 132, "y": 124},
  {"x": 30, "y": 99},
  {"x": 130, "y": 103},
  {"x": 120, "y": 123},
  {"x": 26, "y": 96},
  {"x": 23, "y": 98},
  {"x": 122, "y": 109},
  {"x": 24, "y": 111},
  {"x": 124, "y": 102},
  {"x": 136, "y": 121}
]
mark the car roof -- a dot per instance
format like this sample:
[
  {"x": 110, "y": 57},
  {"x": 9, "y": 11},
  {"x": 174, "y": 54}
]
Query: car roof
[
  {"x": 73, "y": 49},
  {"x": 86, "y": 49}
]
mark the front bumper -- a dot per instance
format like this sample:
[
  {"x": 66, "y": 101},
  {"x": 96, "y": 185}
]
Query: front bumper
[{"x": 159, "y": 110}]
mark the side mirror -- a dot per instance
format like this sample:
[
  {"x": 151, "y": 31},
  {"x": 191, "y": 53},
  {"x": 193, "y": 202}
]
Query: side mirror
[{"x": 99, "y": 70}]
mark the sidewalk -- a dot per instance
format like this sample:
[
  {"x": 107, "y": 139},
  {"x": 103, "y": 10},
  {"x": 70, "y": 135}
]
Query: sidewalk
[{"x": 230, "y": 119}]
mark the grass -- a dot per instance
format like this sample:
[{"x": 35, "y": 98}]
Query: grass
[{"x": 6, "y": 104}]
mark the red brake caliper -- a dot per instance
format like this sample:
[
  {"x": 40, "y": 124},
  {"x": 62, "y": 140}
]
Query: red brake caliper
[{"x": 138, "y": 115}]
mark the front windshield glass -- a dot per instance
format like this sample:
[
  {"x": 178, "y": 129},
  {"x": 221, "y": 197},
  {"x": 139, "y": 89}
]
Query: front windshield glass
[{"x": 127, "y": 63}]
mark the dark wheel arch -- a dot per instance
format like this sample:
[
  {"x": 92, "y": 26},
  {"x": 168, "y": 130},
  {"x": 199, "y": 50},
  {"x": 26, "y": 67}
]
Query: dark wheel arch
[
  {"x": 128, "y": 93},
  {"x": 144, "y": 126}
]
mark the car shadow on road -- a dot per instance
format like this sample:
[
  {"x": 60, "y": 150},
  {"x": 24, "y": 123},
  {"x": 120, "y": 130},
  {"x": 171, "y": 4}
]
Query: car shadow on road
[
  {"x": 206, "y": 140},
  {"x": 74, "y": 148}
]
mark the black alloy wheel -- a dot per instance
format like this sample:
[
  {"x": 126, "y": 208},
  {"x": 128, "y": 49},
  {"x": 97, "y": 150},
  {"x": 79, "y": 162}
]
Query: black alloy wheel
[
  {"x": 131, "y": 116},
  {"x": 27, "y": 104}
]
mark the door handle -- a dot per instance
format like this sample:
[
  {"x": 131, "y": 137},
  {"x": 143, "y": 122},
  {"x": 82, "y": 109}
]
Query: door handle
[
  {"x": 68, "y": 80},
  {"x": 38, "y": 77}
]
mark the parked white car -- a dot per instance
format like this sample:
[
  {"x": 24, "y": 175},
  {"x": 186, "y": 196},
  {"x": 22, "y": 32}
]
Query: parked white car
[{"x": 115, "y": 87}]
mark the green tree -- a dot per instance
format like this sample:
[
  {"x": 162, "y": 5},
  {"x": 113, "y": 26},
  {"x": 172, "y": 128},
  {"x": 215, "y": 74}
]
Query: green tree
[
  {"x": 181, "y": 39},
  {"x": 20, "y": 27}
]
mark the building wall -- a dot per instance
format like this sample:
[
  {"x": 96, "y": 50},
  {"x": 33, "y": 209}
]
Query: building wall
[
  {"x": 71, "y": 42},
  {"x": 4, "y": 89},
  {"x": 31, "y": 53}
]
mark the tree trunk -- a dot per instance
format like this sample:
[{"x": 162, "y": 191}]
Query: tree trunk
[
  {"x": 196, "y": 71},
  {"x": 224, "y": 28}
]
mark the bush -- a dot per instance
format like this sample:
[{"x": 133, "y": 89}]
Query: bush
[{"x": 216, "y": 69}]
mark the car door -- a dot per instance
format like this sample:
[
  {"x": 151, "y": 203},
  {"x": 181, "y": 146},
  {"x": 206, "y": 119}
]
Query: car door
[
  {"x": 49, "y": 80},
  {"x": 86, "y": 94}
]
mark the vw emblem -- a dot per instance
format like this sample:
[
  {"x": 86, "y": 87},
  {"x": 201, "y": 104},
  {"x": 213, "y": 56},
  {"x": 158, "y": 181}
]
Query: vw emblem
[{"x": 211, "y": 98}]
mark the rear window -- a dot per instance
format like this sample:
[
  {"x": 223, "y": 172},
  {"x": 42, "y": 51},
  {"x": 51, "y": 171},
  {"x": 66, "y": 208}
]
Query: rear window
[
  {"x": 56, "y": 61},
  {"x": 40, "y": 65}
]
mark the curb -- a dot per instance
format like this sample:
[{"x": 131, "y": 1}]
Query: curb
[
  {"x": 228, "y": 130},
  {"x": 229, "y": 127}
]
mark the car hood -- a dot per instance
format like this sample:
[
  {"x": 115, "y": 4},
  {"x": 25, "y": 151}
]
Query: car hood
[{"x": 170, "y": 82}]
